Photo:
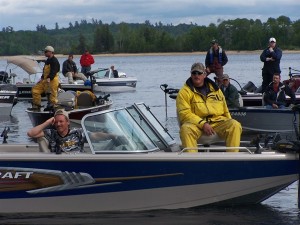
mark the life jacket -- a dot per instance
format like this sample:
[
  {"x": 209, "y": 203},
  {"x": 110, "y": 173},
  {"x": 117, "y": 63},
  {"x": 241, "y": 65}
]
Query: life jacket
[{"x": 211, "y": 54}]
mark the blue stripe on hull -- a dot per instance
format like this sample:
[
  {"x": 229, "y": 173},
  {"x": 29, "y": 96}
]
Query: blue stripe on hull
[{"x": 153, "y": 174}]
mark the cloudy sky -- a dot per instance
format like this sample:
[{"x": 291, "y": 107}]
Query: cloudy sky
[{"x": 27, "y": 14}]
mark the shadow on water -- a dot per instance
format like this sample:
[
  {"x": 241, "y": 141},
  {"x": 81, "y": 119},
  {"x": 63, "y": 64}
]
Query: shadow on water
[{"x": 250, "y": 215}]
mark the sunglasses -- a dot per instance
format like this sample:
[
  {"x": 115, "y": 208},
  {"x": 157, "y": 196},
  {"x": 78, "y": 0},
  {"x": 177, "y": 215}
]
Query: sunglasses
[{"x": 197, "y": 73}]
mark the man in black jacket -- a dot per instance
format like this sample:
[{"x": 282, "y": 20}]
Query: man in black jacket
[
  {"x": 274, "y": 96},
  {"x": 271, "y": 57},
  {"x": 70, "y": 70}
]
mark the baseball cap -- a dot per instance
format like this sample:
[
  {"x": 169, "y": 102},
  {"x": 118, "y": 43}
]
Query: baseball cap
[
  {"x": 225, "y": 77},
  {"x": 272, "y": 40},
  {"x": 49, "y": 48},
  {"x": 214, "y": 41},
  {"x": 62, "y": 112},
  {"x": 198, "y": 67}
]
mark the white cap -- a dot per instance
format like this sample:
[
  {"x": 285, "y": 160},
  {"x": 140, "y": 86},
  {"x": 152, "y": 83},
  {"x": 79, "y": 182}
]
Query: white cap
[
  {"x": 49, "y": 48},
  {"x": 272, "y": 40}
]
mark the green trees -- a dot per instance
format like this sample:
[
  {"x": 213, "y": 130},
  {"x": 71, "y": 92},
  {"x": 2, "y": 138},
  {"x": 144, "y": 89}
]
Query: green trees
[{"x": 238, "y": 34}]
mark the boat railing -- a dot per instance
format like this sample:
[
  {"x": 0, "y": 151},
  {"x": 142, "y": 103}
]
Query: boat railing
[{"x": 218, "y": 149}]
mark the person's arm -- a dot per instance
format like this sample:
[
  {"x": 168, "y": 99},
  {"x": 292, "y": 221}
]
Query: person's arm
[
  {"x": 37, "y": 131},
  {"x": 276, "y": 54},
  {"x": 184, "y": 110},
  {"x": 290, "y": 93},
  {"x": 224, "y": 58},
  {"x": 65, "y": 68},
  {"x": 263, "y": 56}
]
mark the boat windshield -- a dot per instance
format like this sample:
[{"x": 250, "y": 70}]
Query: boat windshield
[
  {"x": 115, "y": 131},
  {"x": 149, "y": 123}
]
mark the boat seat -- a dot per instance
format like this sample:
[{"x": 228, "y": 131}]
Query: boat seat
[
  {"x": 66, "y": 99},
  {"x": 43, "y": 144},
  {"x": 208, "y": 140},
  {"x": 84, "y": 100}
]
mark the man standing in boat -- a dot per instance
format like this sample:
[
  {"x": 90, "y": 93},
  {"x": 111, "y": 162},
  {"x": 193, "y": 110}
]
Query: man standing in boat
[
  {"x": 271, "y": 57},
  {"x": 274, "y": 96},
  {"x": 86, "y": 60},
  {"x": 49, "y": 81},
  {"x": 202, "y": 110},
  {"x": 215, "y": 59}
]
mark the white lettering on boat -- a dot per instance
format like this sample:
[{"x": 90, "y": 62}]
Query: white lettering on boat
[
  {"x": 15, "y": 175},
  {"x": 238, "y": 113}
]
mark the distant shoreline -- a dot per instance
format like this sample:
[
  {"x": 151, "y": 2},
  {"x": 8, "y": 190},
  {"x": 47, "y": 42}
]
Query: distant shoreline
[{"x": 163, "y": 54}]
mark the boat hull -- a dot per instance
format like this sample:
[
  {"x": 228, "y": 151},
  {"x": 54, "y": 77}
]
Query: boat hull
[
  {"x": 8, "y": 98},
  {"x": 262, "y": 120},
  {"x": 84, "y": 183},
  {"x": 24, "y": 90},
  {"x": 111, "y": 85}
]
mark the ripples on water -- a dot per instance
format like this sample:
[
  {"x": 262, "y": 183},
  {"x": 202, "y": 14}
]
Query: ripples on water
[{"x": 152, "y": 71}]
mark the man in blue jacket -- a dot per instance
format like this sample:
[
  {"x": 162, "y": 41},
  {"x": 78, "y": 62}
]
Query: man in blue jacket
[
  {"x": 271, "y": 57},
  {"x": 215, "y": 59}
]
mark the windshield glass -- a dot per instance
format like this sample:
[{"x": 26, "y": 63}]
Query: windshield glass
[
  {"x": 116, "y": 131},
  {"x": 158, "y": 134}
]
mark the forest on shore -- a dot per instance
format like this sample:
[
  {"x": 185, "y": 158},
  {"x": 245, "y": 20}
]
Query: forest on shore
[{"x": 236, "y": 35}]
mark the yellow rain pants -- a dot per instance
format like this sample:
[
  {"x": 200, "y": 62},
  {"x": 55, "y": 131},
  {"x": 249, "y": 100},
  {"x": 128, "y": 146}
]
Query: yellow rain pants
[
  {"x": 230, "y": 130},
  {"x": 44, "y": 87}
]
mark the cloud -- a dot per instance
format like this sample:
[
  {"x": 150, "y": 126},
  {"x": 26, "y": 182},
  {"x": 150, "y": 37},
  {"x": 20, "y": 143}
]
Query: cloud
[{"x": 26, "y": 15}]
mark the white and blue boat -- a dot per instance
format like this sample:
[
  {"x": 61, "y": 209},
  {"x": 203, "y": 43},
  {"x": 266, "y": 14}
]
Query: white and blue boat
[{"x": 144, "y": 170}]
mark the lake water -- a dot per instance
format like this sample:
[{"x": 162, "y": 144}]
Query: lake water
[{"x": 152, "y": 71}]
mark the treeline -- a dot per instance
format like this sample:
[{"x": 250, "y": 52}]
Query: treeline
[{"x": 238, "y": 34}]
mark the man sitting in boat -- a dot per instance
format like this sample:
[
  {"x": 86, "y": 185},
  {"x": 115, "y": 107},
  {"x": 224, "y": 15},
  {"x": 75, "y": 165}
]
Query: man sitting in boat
[
  {"x": 230, "y": 92},
  {"x": 275, "y": 95},
  {"x": 70, "y": 70},
  {"x": 202, "y": 110},
  {"x": 114, "y": 72},
  {"x": 62, "y": 139}
]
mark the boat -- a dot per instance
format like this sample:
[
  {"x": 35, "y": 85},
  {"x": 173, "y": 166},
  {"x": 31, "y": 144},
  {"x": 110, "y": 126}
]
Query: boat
[
  {"x": 106, "y": 82},
  {"x": 144, "y": 170},
  {"x": 31, "y": 66},
  {"x": 77, "y": 104},
  {"x": 8, "y": 98},
  {"x": 251, "y": 94},
  {"x": 257, "y": 119}
]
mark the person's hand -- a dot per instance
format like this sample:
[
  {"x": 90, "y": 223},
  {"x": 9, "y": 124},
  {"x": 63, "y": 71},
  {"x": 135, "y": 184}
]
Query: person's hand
[
  {"x": 207, "y": 70},
  {"x": 48, "y": 80},
  {"x": 274, "y": 106},
  {"x": 271, "y": 49},
  {"x": 268, "y": 59},
  {"x": 207, "y": 129}
]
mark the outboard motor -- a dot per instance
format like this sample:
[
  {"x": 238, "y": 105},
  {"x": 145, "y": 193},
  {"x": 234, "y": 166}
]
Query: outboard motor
[{"x": 4, "y": 79}]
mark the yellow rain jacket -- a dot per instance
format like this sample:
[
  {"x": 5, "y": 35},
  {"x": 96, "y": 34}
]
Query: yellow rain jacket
[{"x": 195, "y": 109}]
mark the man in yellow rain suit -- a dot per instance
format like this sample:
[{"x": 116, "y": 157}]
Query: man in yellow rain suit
[
  {"x": 202, "y": 109},
  {"x": 49, "y": 81}
]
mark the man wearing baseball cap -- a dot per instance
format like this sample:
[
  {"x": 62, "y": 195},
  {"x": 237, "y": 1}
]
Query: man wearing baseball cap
[
  {"x": 202, "y": 110},
  {"x": 49, "y": 81},
  {"x": 271, "y": 57}
]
